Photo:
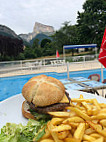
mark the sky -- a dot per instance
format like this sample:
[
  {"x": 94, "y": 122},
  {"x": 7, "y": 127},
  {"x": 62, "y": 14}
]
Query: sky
[{"x": 21, "y": 15}]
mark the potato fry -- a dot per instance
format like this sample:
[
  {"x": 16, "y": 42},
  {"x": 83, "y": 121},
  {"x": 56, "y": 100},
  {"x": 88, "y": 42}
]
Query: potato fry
[
  {"x": 99, "y": 139},
  {"x": 95, "y": 135},
  {"x": 56, "y": 121},
  {"x": 103, "y": 110},
  {"x": 88, "y": 108},
  {"x": 99, "y": 116},
  {"x": 80, "y": 113},
  {"x": 71, "y": 140},
  {"x": 60, "y": 114},
  {"x": 95, "y": 111},
  {"x": 78, "y": 103},
  {"x": 102, "y": 105},
  {"x": 86, "y": 126},
  {"x": 72, "y": 114},
  {"x": 96, "y": 104},
  {"x": 81, "y": 100},
  {"x": 81, "y": 96},
  {"x": 61, "y": 127},
  {"x": 54, "y": 134},
  {"x": 79, "y": 131},
  {"x": 103, "y": 122},
  {"x": 74, "y": 125},
  {"x": 97, "y": 129},
  {"x": 77, "y": 106},
  {"x": 89, "y": 131},
  {"x": 88, "y": 138},
  {"x": 95, "y": 121},
  {"x": 75, "y": 119},
  {"x": 63, "y": 134},
  {"x": 47, "y": 140}
]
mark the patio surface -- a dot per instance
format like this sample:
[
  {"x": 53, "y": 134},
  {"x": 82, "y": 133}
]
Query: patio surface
[{"x": 56, "y": 68}]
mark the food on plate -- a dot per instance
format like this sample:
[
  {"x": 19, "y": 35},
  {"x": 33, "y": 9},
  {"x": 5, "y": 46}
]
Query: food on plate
[
  {"x": 78, "y": 122},
  {"x": 43, "y": 94},
  {"x": 12, "y": 132},
  {"x": 83, "y": 120}
]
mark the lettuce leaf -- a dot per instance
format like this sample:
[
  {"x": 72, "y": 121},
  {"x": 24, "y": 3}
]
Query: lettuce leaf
[
  {"x": 12, "y": 132},
  {"x": 39, "y": 116},
  {"x": 39, "y": 135}
]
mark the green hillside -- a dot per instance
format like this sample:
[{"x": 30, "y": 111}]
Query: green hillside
[{"x": 5, "y": 31}]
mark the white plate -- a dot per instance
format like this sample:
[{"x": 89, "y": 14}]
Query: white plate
[{"x": 10, "y": 109}]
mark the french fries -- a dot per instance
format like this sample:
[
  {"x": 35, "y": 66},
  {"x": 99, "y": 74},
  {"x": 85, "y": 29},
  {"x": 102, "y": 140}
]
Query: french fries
[
  {"x": 74, "y": 119},
  {"x": 88, "y": 138},
  {"x": 61, "y": 128},
  {"x": 63, "y": 134},
  {"x": 83, "y": 121},
  {"x": 47, "y": 140},
  {"x": 60, "y": 114},
  {"x": 99, "y": 139},
  {"x": 53, "y": 134},
  {"x": 103, "y": 122},
  {"x": 97, "y": 128},
  {"x": 79, "y": 113},
  {"x": 79, "y": 132}
]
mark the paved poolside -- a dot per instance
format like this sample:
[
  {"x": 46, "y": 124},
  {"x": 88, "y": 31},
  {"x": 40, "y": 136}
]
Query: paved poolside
[{"x": 77, "y": 66}]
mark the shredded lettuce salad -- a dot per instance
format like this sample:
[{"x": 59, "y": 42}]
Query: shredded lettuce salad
[{"x": 32, "y": 132}]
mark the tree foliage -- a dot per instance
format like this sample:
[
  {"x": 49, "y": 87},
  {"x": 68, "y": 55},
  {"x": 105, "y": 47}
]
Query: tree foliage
[
  {"x": 66, "y": 35},
  {"x": 92, "y": 22},
  {"x": 44, "y": 42},
  {"x": 10, "y": 46}
]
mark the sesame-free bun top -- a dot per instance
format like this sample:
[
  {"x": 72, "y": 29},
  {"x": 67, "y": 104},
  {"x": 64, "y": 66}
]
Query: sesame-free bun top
[{"x": 43, "y": 90}]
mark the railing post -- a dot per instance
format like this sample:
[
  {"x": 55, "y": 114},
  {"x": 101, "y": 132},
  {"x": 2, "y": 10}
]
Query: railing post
[
  {"x": 21, "y": 64},
  {"x": 44, "y": 62},
  {"x": 84, "y": 60},
  {"x": 68, "y": 70}
]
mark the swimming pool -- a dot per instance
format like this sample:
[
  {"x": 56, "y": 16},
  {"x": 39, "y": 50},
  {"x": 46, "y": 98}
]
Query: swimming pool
[{"x": 10, "y": 86}]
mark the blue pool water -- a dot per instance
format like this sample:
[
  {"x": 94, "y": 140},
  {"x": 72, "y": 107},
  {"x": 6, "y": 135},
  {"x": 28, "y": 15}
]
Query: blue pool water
[{"x": 10, "y": 86}]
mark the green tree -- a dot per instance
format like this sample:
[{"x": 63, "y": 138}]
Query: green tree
[
  {"x": 35, "y": 43},
  {"x": 29, "y": 53},
  {"x": 67, "y": 35},
  {"x": 44, "y": 42},
  {"x": 49, "y": 49},
  {"x": 36, "y": 48},
  {"x": 10, "y": 47},
  {"x": 92, "y": 22},
  {"x": 21, "y": 56}
]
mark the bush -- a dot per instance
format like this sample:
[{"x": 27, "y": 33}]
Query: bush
[
  {"x": 21, "y": 56},
  {"x": 29, "y": 53}
]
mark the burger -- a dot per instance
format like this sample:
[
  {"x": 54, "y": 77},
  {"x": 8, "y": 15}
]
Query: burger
[{"x": 43, "y": 94}]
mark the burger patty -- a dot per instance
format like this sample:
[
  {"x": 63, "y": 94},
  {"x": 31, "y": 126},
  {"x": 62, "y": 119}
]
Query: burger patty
[{"x": 50, "y": 108}]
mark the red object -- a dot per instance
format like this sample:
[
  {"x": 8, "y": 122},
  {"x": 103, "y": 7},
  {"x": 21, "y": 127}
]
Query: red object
[
  {"x": 102, "y": 54},
  {"x": 95, "y": 77},
  {"x": 104, "y": 81},
  {"x": 57, "y": 54}
]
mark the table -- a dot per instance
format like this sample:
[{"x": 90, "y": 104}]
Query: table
[{"x": 83, "y": 84}]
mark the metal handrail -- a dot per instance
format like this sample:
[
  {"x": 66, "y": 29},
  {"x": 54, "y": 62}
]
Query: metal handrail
[{"x": 36, "y": 63}]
